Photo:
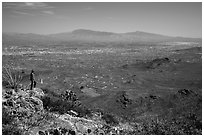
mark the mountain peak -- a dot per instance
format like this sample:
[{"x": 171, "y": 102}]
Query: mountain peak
[{"x": 90, "y": 32}]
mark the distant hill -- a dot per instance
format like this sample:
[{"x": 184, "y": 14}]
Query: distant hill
[
  {"x": 84, "y": 35},
  {"x": 26, "y": 39},
  {"x": 91, "y": 32}
]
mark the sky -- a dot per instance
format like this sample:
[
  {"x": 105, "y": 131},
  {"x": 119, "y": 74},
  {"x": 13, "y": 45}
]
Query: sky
[{"x": 173, "y": 19}]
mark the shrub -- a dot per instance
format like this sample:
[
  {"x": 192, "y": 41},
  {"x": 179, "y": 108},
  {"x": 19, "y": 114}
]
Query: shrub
[
  {"x": 56, "y": 104},
  {"x": 82, "y": 111},
  {"x": 11, "y": 77},
  {"x": 62, "y": 105},
  {"x": 110, "y": 119},
  {"x": 49, "y": 91},
  {"x": 180, "y": 125}
]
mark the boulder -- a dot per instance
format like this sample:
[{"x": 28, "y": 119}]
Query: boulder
[
  {"x": 88, "y": 131},
  {"x": 41, "y": 132},
  {"x": 56, "y": 132},
  {"x": 37, "y": 92},
  {"x": 8, "y": 93},
  {"x": 63, "y": 131},
  {"x": 23, "y": 93},
  {"x": 72, "y": 132},
  {"x": 81, "y": 128},
  {"x": 36, "y": 103}
]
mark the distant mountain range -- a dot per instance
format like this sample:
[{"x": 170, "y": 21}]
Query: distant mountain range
[{"x": 84, "y": 35}]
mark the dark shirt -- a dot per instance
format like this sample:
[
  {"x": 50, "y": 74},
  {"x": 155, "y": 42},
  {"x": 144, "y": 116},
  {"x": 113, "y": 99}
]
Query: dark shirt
[{"x": 32, "y": 76}]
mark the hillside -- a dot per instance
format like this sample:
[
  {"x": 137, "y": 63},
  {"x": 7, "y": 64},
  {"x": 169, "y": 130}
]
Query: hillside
[
  {"x": 106, "y": 91},
  {"x": 90, "y": 83}
]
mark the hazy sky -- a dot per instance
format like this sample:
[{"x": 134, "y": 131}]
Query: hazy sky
[{"x": 174, "y": 19}]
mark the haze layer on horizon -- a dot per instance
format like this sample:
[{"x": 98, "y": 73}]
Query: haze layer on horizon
[{"x": 173, "y": 19}]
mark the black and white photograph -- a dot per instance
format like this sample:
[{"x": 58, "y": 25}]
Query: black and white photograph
[{"x": 101, "y": 68}]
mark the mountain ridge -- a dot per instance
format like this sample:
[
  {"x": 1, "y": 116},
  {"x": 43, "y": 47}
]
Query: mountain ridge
[
  {"x": 87, "y": 35},
  {"x": 77, "y": 31}
]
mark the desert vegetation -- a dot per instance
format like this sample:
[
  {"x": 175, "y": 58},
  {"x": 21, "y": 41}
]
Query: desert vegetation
[
  {"x": 102, "y": 87},
  {"x": 11, "y": 77}
]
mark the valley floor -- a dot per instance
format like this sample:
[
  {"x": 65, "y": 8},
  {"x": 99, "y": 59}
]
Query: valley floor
[{"x": 151, "y": 85}]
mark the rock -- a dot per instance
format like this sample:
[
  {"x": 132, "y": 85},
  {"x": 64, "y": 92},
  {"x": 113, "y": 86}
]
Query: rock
[
  {"x": 53, "y": 131},
  {"x": 80, "y": 127},
  {"x": 56, "y": 132},
  {"x": 36, "y": 103},
  {"x": 101, "y": 132},
  {"x": 72, "y": 132},
  {"x": 88, "y": 131},
  {"x": 46, "y": 132},
  {"x": 41, "y": 132},
  {"x": 22, "y": 93},
  {"x": 10, "y": 102},
  {"x": 59, "y": 131},
  {"x": 64, "y": 131},
  {"x": 153, "y": 96},
  {"x": 4, "y": 101},
  {"x": 71, "y": 112},
  {"x": 24, "y": 106},
  {"x": 49, "y": 131},
  {"x": 37, "y": 92},
  {"x": 10, "y": 92},
  {"x": 20, "y": 86},
  {"x": 21, "y": 100},
  {"x": 81, "y": 87}
]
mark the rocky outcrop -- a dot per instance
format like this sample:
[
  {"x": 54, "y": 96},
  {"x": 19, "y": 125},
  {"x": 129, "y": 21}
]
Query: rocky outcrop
[
  {"x": 157, "y": 62},
  {"x": 21, "y": 103},
  {"x": 26, "y": 107},
  {"x": 70, "y": 125},
  {"x": 37, "y": 92}
]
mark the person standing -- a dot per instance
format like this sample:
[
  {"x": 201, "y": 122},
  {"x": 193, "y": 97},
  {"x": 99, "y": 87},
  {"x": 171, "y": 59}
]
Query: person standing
[{"x": 32, "y": 79}]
